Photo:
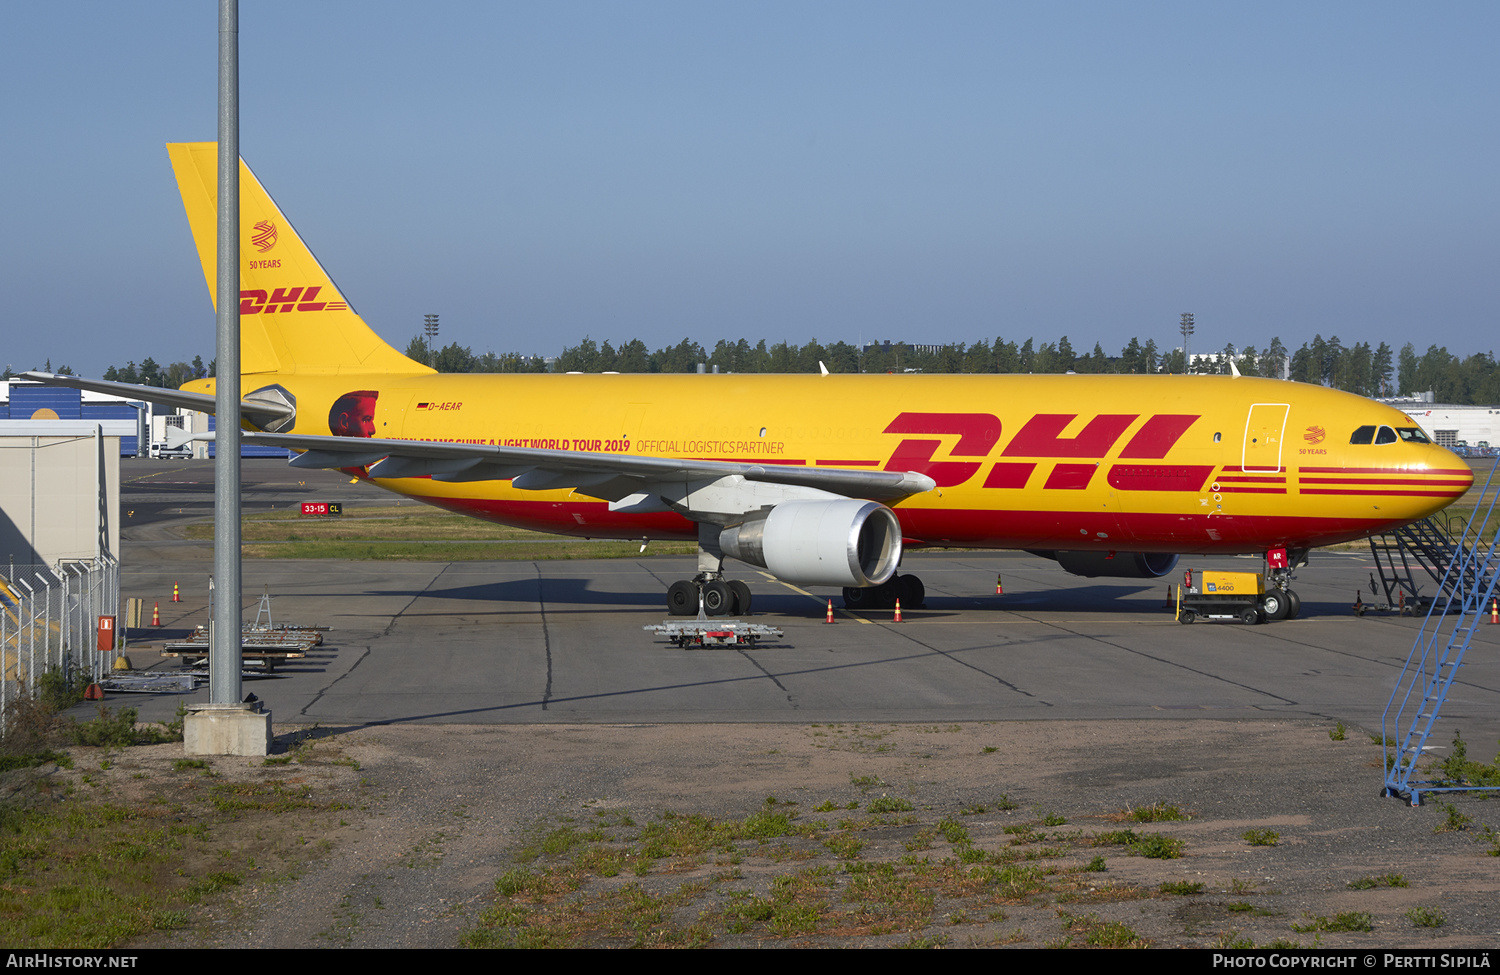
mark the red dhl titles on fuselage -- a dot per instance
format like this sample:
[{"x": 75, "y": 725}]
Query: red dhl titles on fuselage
[{"x": 1222, "y": 478}]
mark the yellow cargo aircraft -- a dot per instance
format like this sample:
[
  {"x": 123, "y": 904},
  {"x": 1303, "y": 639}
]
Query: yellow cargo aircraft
[{"x": 822, "y": 480}]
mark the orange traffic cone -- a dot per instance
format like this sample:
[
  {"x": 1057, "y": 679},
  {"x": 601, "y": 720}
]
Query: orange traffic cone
[
  {"x": 829, "y": 618},
  {"x": 156, "y": 614},
  {"x": 176, "y": 596},
  {"x": 999, "y": 589},
  {"x": 898, "y": 611},
  {"x": 1495, "y": 610}
]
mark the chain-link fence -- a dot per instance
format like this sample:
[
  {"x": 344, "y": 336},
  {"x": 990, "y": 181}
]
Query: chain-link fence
[{"x": 50, "y": 621}]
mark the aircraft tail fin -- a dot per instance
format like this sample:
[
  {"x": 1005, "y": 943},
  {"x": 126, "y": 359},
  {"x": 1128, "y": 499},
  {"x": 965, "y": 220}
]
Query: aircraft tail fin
[{"x": 293, "y": 318}]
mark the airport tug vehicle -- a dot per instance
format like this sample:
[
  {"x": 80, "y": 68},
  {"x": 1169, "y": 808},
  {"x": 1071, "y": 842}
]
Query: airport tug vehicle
[{"x": 1229, "y": 596}]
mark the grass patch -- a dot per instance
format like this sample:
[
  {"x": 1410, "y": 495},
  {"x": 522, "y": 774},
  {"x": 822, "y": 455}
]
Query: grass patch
[
  {"x": 1261, "y": 837},
  {"x": 953, "y": 831},
  {"x": 1459, "y": 769},
  {"x": 1427, "y": 917},
  {"x": 1378, "y": 880},
  {"x": 1157, "y": 847},
  {"x": 1182, "y": 888},
  {"x": 845, "y": 845},
  {"x": 1157, "y": 812},
  {"x": 1100, "y": 933},
  {"x": 772, "y": 876},
  {"x": 889, "y": 804},
  {"x": 416, "y": 532},
  {"x": 1453, "y": 820},
  {"x": 1234, "y": 940},
  {"x": 89, "y": 874},
  {"x": 111, "y": 730},
  {"x": 1347, "y": 921}
]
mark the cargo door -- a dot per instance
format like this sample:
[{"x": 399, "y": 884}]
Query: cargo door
[{"x": 1264, "y": 428}]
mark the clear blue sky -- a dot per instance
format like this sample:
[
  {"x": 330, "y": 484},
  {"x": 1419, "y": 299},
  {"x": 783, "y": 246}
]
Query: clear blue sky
[{"x": 536, "y": 173}]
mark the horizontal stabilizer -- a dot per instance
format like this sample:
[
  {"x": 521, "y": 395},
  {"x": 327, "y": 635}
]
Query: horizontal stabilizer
[
  {"x": 261, "y": 411},
  {"x": 176, "y": 437}
]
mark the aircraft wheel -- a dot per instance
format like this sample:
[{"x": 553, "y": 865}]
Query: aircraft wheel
[
  {"x": 1294, "y": 605},
  {"x": 682, "y": 598},
  {"x": 857, "y": 598},
  {"x": 1276, "y": 605},
  {"x": 717, "y": 599},
  {"x": 1187, "y": 616},
  {"x": 913, "y": 593},
  {"x": 741, "y": 594},
  {"x": 1249, "y": 616}
]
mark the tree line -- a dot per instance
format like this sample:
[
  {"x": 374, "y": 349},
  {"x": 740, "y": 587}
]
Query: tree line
[
  {"x": 1357, "y": 368},
  {"x": 149, "y": 373}
]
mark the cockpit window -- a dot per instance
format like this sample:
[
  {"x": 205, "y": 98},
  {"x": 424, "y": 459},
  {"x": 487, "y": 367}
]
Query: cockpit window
[
  {"x": 1363, "y": 435},
  {"x": 1386, "y": 435},
  {"x": 1412, "y": 435}
]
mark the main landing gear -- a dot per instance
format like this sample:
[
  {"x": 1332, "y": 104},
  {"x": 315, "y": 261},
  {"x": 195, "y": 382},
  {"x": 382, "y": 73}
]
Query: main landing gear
[
  {"x": 717, "y": 595},
  {"x": 908, "y": 589},
  {"x": 720, "y": 597}
]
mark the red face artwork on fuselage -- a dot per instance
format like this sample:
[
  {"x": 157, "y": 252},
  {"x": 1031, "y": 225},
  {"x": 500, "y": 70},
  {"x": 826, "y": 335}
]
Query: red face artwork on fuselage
[{"x": 353, "y": 414}]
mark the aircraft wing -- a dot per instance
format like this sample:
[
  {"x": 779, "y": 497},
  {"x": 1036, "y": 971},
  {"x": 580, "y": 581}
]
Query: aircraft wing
[
  {"x": 267, "y": 408},
  {"x": 627, "y": 481}
]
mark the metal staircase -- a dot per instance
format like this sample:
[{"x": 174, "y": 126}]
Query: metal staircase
[
  {"x": 1425, "y": 547},
  {"x": 1467, "y": 585}
]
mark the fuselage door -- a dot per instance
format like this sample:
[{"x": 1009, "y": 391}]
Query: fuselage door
[{"x": 1263, "y": 434}]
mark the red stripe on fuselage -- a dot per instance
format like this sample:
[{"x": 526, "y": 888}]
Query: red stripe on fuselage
[
  {"x": 1382, "y": 492},
  {"x": 1423, "y": 481},
  {"x": 1158, "y": 477},
  {"x": 1386, "y": 470}
]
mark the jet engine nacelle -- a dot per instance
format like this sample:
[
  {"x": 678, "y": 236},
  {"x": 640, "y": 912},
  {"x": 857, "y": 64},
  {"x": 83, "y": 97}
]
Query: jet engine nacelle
[
  {"x": 839, "y": 542},
  {"x": 1124, "y": 565}
]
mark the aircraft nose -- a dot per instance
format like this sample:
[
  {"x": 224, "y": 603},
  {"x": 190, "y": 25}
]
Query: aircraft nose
[{"x": 1447, "y": 476}]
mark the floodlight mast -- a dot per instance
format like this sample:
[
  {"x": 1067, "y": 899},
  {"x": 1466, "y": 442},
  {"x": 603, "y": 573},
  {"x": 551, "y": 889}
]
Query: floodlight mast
[{"x": 224, "y": 657}]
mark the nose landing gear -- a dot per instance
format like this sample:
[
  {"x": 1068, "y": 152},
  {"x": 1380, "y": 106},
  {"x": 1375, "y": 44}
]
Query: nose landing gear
[{"x": 1279, "y": 601}]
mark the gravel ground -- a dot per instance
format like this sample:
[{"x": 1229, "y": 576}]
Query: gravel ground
[{"x": 441, "y": 811}]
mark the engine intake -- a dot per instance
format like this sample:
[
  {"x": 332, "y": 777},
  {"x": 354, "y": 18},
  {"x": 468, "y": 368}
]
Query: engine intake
[
  {"x": 1124, "y": 565},
  {"x": 820, "y": 543}
]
